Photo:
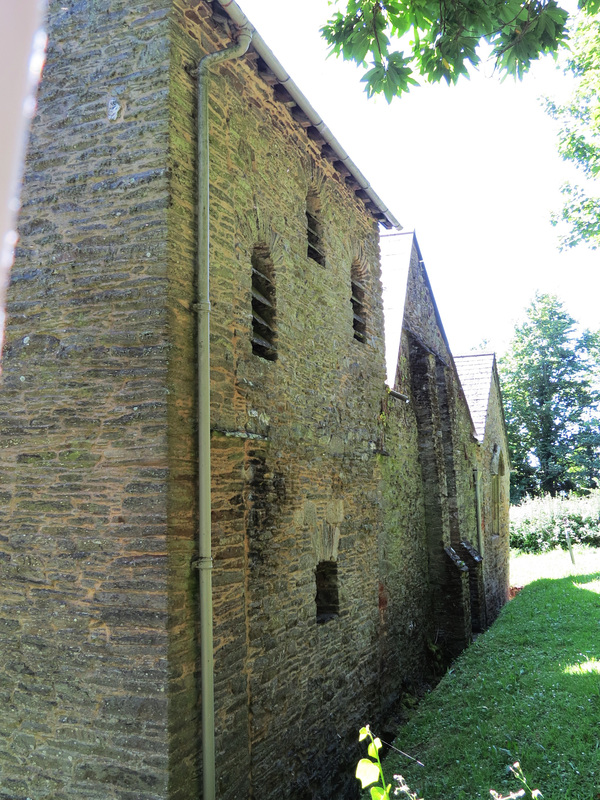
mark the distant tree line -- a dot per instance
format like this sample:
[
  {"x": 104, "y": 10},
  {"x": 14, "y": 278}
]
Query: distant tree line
[{"x": 550, "y": 380}]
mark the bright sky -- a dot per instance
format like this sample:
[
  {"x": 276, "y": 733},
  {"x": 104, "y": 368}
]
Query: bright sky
[
  {"x": 472, "y": 168},
  {"x": 18, "y": 72}
]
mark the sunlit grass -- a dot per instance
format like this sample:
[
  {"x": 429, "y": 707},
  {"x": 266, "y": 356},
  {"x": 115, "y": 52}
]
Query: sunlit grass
[
  {"x": 584, "y": 668},
  {"x": 528, "y": 567},
  {"x": 592, "y": 586},
  {"x": 527, "y": 690}
]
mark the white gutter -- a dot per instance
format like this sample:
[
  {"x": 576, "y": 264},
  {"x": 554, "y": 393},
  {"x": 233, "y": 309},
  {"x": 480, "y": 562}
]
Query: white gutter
[{"x": 237, "y": 16}]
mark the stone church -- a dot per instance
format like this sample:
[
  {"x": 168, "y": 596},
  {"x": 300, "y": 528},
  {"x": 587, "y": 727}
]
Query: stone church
[{"x": 352, "y": 525}]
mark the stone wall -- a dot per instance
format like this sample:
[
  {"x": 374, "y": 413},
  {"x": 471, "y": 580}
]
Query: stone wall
[
  {"x": 495, "y": 536},
  {"x": 84, "y": 416},
  {"x": 405, "y": 604},
  {"x": 99, "y": 657},
  {"x": 446, "y": 450},
  {"x": 296, "y": 437},
  {"x": 336, "y": 509}
]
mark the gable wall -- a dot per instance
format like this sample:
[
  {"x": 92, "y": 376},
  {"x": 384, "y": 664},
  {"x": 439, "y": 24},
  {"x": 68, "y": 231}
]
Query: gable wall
[
  {"x": 427, "y": 463},
  {"x": 293, "y": 449},
  {"x": 83, "y": 413},
  {"x": 496, "y": 546}
]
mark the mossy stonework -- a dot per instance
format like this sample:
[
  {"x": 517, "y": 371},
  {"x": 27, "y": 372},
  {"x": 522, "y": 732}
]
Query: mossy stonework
[
  {"x": 495, "y": 464},
  {"x": 338, "y": 511},
  {"x": 489, "y": 559}
]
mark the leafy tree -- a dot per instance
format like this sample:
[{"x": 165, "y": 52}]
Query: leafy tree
[
  {"x": 438, "y": 39},
  {"x": 579, "y": 137},
  {"x": 552, "y": 403}
]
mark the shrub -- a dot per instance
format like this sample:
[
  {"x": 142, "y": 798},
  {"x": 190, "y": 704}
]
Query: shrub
[{"x": 542, "y": 524}]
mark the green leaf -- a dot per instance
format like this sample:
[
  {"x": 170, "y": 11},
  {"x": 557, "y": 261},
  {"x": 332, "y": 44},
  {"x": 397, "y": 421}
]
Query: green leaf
[
  {"x": 367, "y": 772},
  {"x": 363, "y": 733},
  {"x": 374, "y": 746},
  {"x": 445, "y": 37},
  {"x": 360, "y": 51},
  {"x": 378, "y": 793}
]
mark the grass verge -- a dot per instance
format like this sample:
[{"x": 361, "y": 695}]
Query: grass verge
[{"x": 527, "y": 690}]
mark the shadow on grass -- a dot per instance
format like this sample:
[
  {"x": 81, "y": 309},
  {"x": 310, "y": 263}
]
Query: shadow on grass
[{"x": 528, "y": 690}]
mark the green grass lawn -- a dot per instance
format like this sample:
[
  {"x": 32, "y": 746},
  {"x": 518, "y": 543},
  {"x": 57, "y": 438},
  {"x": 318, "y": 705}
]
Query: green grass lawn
[{"x": 527, "y": 690}]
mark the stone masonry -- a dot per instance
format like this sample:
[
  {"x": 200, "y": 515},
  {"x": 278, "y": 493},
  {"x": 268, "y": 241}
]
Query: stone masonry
[
  {"x": 339, "y": 511},
  {"x": 479, "y": 377}
]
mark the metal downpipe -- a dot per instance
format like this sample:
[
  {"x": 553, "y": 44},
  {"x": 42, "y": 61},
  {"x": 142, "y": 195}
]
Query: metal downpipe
[{"x": 204, "y": 467}]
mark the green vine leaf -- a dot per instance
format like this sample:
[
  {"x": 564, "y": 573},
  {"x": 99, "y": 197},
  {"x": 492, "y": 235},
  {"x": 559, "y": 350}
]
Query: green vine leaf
[
  {"x": 379, "y": 793},
  {"x": 374, "y": 747},
  {"x": 367, "y": 772}
]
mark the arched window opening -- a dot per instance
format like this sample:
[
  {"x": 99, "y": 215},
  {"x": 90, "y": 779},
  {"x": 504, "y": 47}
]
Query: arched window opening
[
  {"x": 327, "y": 599},
  {"x": 264, "y": 334},
  {"x": 357, "y": 299},
  {"x": 314, "y": 229}
]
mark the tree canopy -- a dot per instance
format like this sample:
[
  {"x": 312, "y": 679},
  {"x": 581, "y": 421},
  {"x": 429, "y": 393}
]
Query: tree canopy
[
  {"x": 552, "y": 402},
  {"x": 579, "y": 136},
  {"x": 399, "y": 40}
]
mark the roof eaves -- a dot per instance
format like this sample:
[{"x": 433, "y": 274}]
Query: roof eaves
[{"x": 237, "y": 16}]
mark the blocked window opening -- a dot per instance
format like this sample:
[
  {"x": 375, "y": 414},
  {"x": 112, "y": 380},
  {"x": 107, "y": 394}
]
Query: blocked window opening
[
  {"x": 314, "y": 229},
  {"x": 357, "y": 298},
  {"x": 264, "y": 334},
  {"x": 328, "y": 604},
  {"x": 498, "y": 466}
]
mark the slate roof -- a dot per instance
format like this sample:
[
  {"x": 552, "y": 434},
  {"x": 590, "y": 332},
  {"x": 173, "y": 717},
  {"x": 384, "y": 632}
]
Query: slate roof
[{"x": 475, "y": 374}]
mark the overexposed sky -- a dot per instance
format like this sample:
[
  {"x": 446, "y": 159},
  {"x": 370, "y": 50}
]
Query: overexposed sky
[
  {"x": 472, "y": 168},
  {"x": 21, "y": 55}
]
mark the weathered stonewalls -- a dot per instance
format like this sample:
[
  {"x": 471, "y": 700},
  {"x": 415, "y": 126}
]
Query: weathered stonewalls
[
  {"x": 479, "y": 377},
  {"x": 84, "y": 409},
  {"x": 335, "y": 508},
  {"x": 405, "y": 603},
  {"x": 420, "y": 314},
  {"x": 98, "y": 427},
  {"x": 444, "y": 445},
  {"x": 294, "y": 443},
  {"x": 184, "y": 668},
  {"x": 495, "y": 534}
]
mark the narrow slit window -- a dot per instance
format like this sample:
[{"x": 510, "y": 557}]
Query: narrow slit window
[
  {"x": 496, "y": 499},
  {"x": 495, "y": 505},
  {"x": 314, "y": 230},
  {"x": 327, "y": 599},
  {"x": 264, "y": 333},
  {"x": 357, "y": 299}
]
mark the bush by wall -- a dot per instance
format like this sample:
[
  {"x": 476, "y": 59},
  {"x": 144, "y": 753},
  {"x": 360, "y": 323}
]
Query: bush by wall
[{"x": 541, "y": 524}]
